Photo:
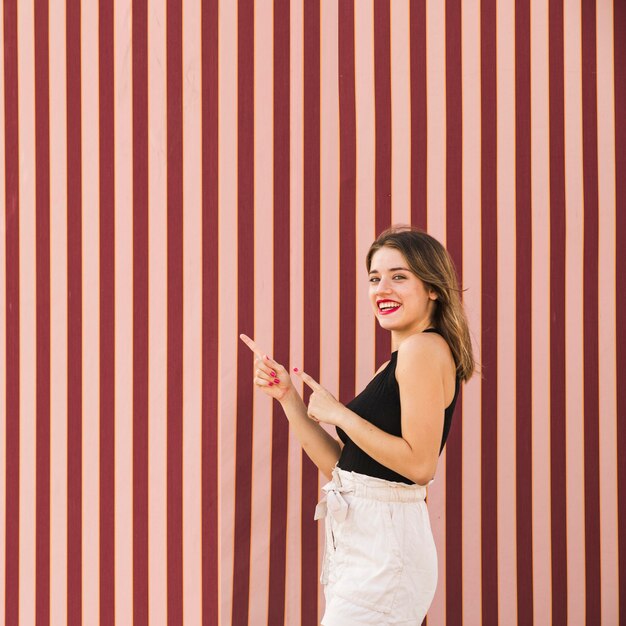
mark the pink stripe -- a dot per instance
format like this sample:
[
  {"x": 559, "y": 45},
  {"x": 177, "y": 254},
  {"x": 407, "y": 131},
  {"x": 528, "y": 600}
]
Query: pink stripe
[
  {"x": 229, "y": 330},
  {"x": 506, "y": 503},
  {"x": 607, "y": 326},
  {"x": 292, "y": 592},
  {"x": 573, "y": 312},
  {"x": 607, "y": 339},
  {"x": 157, "y": 305},
  {"x": 400, "y": 112},
  {"x": 91, "y": 321},
  {"x": 470, "y": 487},
  {"x": 364, "y": 356},
  {"x": 540, "y": 281},
  {"x": 27, "y": 322},
  {"x": 124, "y": 318},
  {"x": 58, "y": 320},
  {"x": 263, "y": 455},
  {"x": 192, "y": 318}
]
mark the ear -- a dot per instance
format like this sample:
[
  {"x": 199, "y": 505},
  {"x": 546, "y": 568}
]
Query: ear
[{"x": 432, "y": 294}]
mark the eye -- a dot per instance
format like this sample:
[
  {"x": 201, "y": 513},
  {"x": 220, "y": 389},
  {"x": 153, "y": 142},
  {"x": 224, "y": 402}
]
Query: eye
[
  {"x": 373, "y": 279},
  {"x": 399, "y": 276}
]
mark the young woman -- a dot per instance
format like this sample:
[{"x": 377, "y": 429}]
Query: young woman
[{"x": 380, "y": 561}]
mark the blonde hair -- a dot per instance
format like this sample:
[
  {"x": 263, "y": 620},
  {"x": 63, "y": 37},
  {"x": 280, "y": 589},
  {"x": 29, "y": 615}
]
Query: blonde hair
[{"x": 433, "y": 265}]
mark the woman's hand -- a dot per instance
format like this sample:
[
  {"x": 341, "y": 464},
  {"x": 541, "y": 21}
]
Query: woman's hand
[
  {"x": 269, "y": 376},
  {"x": 323, "y": 406}
]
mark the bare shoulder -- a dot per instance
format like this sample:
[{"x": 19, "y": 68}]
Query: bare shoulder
[{"x": 424, "y": 351}]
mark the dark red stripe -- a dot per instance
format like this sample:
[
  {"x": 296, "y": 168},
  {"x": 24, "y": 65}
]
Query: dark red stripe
[
  {"x": 454, "y": 243},
  {"x": 12, "y": 311},
  {"x": 557, "y": 317},
  {"x": 347, "y": 202},
  {"x": 107, "y": 313},
  {"x": 280, "y": 427},
  {"x": 419, "y": 133},
  {"x": 210, "y": 329},
  {"x": 245, "y": 309},
  {"x": 619, "y": 51},
  {"x": 140, "y": 312},
  {"x": 74, "y": 316},
  {"x": 489, "y": 312},
  {"x": 311, "y": 180},
  {"x": 590, "y": 315},
  {"x": 382, "y": 95},
  {"x": 174, "y": 34},
  {"x": 42, "y": 208},
  {"x": 523, "y": 401}
]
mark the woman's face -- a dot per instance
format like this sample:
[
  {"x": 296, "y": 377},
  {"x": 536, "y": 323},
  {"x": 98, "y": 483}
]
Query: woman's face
[{"x": 399, "y": 299}]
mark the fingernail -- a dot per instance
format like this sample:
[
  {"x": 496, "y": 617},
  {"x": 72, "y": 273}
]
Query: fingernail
[
  {"x": 277, "y": 380},
  {"x": 271, "y": 384},
  {"x": 272, "y": 373},
  {"x": 295, "y": 369}
]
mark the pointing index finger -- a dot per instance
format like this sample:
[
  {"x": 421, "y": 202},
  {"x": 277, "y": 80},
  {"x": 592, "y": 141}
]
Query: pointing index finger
[
  {"x": 311, "y": 382},
  {"x": 251, "y": 345}
]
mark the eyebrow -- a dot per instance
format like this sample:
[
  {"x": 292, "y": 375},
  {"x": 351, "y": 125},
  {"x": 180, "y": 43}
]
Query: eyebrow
[{"x": 393, "y": 269}]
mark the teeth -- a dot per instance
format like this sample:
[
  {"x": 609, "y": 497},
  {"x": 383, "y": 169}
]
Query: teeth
[{"x": 388, "y": 305}]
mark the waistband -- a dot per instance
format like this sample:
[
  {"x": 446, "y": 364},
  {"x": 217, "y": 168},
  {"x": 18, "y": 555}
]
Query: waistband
[{"x": 362, "y": 486}]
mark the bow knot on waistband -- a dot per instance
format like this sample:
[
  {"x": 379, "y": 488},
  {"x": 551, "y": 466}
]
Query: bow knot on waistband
[{"x": 332, "y": 502}]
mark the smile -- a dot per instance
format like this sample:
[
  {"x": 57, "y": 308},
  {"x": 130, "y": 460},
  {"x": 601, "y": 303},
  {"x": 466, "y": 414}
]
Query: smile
[{"x": 387, "y": 307}]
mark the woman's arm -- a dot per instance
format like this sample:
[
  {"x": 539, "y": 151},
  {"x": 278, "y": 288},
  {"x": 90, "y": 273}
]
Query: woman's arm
[
  {"x": 420, "y": 370},
  {"x": 323, "y": 449}
]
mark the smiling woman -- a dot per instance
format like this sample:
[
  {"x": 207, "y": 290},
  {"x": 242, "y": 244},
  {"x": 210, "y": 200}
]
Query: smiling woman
[{"x": 380, "y": 560}]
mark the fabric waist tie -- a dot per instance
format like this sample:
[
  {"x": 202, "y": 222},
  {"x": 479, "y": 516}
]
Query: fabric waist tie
[{"x": 360, "y": 485}]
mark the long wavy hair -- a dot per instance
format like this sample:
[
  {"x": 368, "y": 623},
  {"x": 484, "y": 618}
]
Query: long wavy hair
[{"x": 433, "y": 265}]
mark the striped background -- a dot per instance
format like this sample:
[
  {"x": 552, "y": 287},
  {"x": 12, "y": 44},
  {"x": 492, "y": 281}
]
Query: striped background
[{"x": 174, "y": 174}]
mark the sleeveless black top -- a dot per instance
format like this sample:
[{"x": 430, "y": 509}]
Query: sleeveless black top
[{"x": 379, "y": 403}]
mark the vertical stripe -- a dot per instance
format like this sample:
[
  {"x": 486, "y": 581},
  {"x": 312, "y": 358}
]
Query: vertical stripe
[
  {"x": 400, "y": 112},
  {"x": 58, "y": 317},
  {"x": 264, "y": 314},
  {"x": 619, "y": 54},
  {"x": 12, "y": 314},
  {"x": 210, "y": 326},
  {"x": 575, "y": 505},
  {"x": 419, "y": 139},
  {"x": 107, "y": 314},
  {"x": 174, "y": 314},
  {"x": 557, "y": 316},
  {"x": 157, "y": 315},
  {"x": 489, "y": 313},
  {"x": 281, "y": 309},
  {"x": 140, "y": 313},
  {"x": 454, "y": 242},
  {"x": 382, "y": 107},
  {"x": 42, "y": 198},
  {"x": 365, "y": 214},
  {"x": 190, "y": 411},
  {"x": 590, "y": 312},
  {"x": 607, "y": 454},
  {"x": 540, "y": 321},
  {"x": 91, "y": 314},
  {"x": 523, "y": 386},
  {"x": 311, "y": 301},
  {"x": 293, "y": 589},
  {"x": 74, "y": 314},
  {"x": 347, "y": 197},
  {"x": 245, "y": 308},
  {"x": 123, "y": 219},
  {"x": 505, "y": 364},
  {"x": 471, "y": 452}
]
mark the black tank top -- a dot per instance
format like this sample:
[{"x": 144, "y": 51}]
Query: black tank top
[{"x": 379, "y": 403}]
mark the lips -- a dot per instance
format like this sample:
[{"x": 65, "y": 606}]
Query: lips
[{"x": 388, "y": 309}]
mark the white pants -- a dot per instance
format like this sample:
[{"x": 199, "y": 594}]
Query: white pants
[{"x": 380, "y": 561}]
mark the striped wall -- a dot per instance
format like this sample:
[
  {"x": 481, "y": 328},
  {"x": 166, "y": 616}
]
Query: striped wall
[{"x": 175, "y": 173}]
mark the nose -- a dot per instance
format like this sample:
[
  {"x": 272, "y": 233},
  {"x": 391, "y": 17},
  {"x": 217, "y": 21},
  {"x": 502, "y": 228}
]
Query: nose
[{"x": 383, "y": 286}]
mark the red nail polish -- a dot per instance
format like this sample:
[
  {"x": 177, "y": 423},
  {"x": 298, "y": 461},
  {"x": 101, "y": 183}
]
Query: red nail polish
[
  {"x": 272, "y": 373},
  {"x": 271, "y": 384},
  {"x": 277, "y": 380},
  {"x": 295, "y": 369}
]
